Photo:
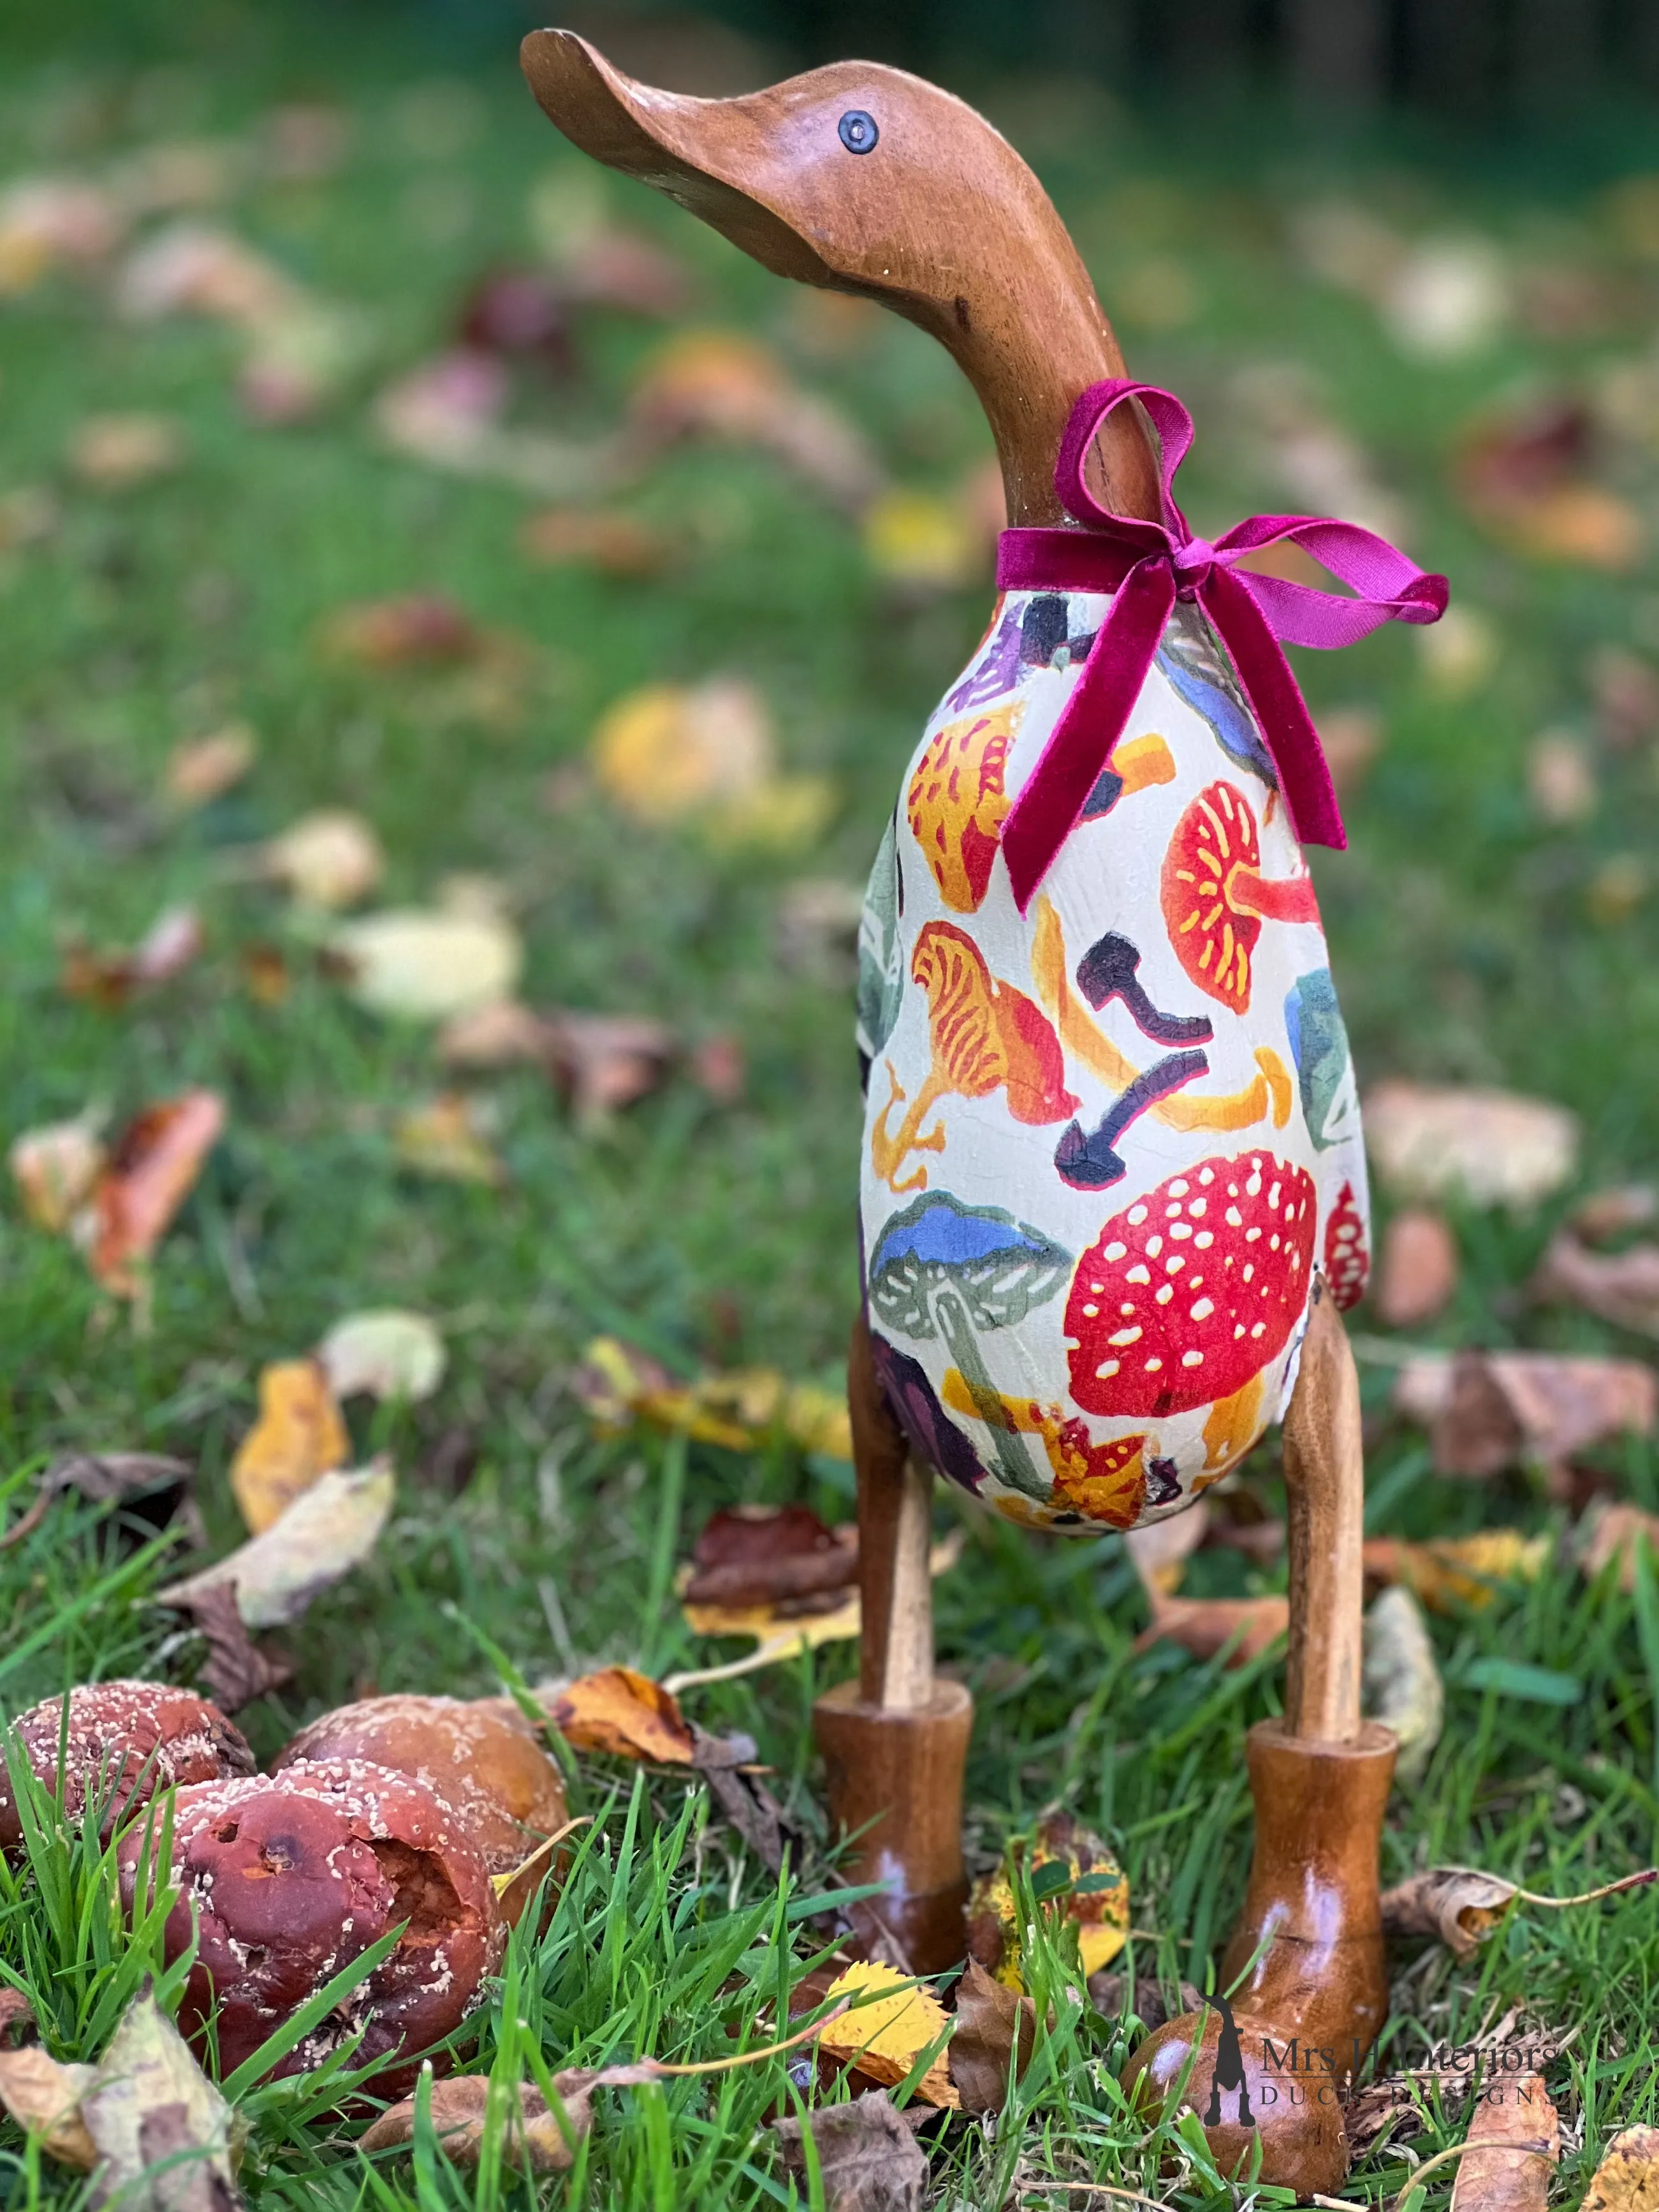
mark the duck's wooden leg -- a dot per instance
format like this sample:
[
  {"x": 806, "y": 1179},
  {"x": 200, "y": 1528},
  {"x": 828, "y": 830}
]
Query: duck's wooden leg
[
  {"x": 895, "y": 1742},
  {"x": 1307, "y": 1956}
]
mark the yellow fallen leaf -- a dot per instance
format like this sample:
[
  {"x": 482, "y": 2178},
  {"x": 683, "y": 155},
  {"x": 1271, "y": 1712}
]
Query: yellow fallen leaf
[
  {"x": 916, "y": 539},
  {"x": 444, "y": 1138},
  {"x": 1627, "y": 2178},
  {"x": 298, "y": 1436},
  {"x": 1095, "y": 1894},
  {"x": 624, "y": 1713},
  {"x": 426, "y": 965},
  {"x": 892, "y": 2020},
  {"x": 112, "y": 451},
  {"x": 667, "y": 749},
  {"x": 1457, "y": 1571},
  {"x": 44, "y": 2096},
  {"x": 386, "y": 1352},
  {"x": 743, "y": 1409},
  {"x": 781, "y": 816}
]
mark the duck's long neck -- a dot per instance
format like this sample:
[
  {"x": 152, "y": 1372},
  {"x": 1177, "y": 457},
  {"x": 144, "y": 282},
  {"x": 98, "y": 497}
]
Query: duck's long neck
[{"x": 1031, "y": 341}]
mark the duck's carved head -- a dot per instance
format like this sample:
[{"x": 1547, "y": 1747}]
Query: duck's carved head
[{"x": 864, "y": 179}]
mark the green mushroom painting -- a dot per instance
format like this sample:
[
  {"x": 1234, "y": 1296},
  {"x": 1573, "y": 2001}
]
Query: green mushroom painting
[{"x": 946, "y": 1272}]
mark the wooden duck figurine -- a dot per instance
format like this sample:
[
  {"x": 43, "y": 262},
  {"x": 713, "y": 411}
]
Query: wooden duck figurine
[{"x": 1112, "y": 1190}]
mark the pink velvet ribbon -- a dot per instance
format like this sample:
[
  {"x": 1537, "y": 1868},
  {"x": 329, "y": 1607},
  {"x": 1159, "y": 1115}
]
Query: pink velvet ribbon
[{"x": 1148, "y": 566}]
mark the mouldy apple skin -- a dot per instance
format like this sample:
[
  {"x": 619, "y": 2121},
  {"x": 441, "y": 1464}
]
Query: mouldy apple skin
[
  {"x": 291, "y": 1876},
  {"x": 480, "y": 1756},
  {"x": 126, "y": 1740}
]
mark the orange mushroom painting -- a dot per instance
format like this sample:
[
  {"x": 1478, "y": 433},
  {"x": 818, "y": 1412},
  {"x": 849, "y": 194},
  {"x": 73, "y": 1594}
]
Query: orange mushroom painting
[
  {"x": 956, "y": 803},
  {"x": 984, "y": 1036},
  {"x": 1215, "y": 898}
]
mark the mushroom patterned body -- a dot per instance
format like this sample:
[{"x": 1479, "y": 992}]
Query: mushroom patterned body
[{"x": 1214, "y": 1163}]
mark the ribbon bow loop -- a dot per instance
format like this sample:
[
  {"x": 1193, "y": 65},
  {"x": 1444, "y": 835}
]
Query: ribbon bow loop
[{"x": 1148, "y": 567}]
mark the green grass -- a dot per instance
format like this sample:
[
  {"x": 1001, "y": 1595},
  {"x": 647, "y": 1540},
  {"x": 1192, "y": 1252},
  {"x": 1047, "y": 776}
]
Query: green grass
[{"x": 1464, "y": 933}]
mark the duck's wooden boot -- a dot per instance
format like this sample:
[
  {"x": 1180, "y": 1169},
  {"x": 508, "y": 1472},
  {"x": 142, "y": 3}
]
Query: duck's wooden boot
[
  {"x": 1273, "y": 2061},
  {"x": 895, "y": 1742}
]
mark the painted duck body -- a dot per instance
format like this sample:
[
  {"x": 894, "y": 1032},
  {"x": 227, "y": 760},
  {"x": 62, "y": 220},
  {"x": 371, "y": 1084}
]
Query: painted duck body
[{"x": 1107, "y": 1142}]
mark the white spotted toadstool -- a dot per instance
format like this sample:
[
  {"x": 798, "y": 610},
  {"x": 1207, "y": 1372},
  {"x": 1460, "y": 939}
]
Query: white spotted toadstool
[
  {"x": 1215, "y": 898},
  {"x": 480, "y": 1756},
  {"x": 125, "y": 1741},
  {"x": 1191, "y": 1290},
  {"x": 285, "y": 1879},
  {"x": 1348, "y": 1257}
]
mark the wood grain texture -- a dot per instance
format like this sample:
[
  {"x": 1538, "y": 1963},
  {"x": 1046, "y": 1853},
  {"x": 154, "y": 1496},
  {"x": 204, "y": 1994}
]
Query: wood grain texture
[
  {"x": 1324, "y": 1481},
  {"x": 941, "y": 220}
]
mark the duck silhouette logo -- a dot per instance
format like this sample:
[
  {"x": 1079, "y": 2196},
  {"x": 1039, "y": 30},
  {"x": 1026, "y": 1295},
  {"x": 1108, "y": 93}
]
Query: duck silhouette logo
[{"x": 1229, "y": 2068}]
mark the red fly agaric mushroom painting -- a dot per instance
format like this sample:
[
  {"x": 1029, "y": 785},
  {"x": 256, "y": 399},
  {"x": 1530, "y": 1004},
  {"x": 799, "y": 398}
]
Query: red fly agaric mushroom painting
[{"x": 1143, "y": 1070}]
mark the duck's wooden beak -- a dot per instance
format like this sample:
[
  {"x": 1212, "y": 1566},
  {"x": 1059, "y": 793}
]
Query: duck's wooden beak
[{"x": 693, "y": 151}]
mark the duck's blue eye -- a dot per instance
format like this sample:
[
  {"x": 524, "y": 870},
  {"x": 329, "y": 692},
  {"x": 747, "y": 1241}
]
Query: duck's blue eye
[{"x": 858, "y": 130}]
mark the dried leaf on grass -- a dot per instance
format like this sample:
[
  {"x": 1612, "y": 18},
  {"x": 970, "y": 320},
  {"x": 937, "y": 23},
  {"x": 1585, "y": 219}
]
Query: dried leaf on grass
[
  {"x": 1418, "y": 1271},
  {"x": 1627, "y": 2178},
  {"x": 104, "y": 1479},
  {"x": 743, "y": 1410},
  {"x": 605, "y": 1061},
  {"x": 1244, "y": 1627},
  {"x": 201, "y": 769},
  {"x": 145, "y": 2117},
  {"x": 1622, "y": 1287},
  {"x": 533, "y": 2140},
  {"x": 1460, "y": 1905},
  {"x": 387, "y": 1353},
  {"x": 1453, "y": 1571},
  {"x": 1488, "y": 1411},
  {"x": 923, "y": 543},
  {"x": 866, "y": 2155},
  {"x": 328, "y": 1530},
  {"x": 1403, "y": 1688},
  {"x": 448, "y": 1137},
  {"x": 236, "y": 1670},
  {"x": 705, "y": 754},
  {"x": 1524, "y": 476},
  {"x": 17, "y": 2020},
  {"x": 152, "y": 1168},
  {"x": 614, "y": 543},
  {"x": 192, "y": 268},
  {"x": 1490, "y": 1147},
  {"x": 1613, "y": 1532},
  {"x": 428, "y": 964},
  {"x": 174, "y": 940},
  {"x": 111, "y": 453},
  {"x": 749, "y": 1555},
  {"x": 328, "y": 859},
  {"x": 56, "y": 1166},
  {"x": 720, "y": 384},
  {"x": 299, "y": 1435},
  {"x": 419, "y": 629},
  {"x": 1511, "y": 2150},
  {"x": 996, "y": 2029},
  {"x": 891, "y": 2020},
  {"x": 624, "y": 1713}
]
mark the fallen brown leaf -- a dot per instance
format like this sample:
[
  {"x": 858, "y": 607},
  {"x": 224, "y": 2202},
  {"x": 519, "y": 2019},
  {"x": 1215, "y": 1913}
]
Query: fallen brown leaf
[
  {"x": 605, "y": 1061},
  {"x": 110, "y": 979},
  {"x": 717, "y": 1064},
  {"x": 1488, "y": 1411},
  {"x": 1460, "y": 1906},
  {"x": 995, "y": 2032},
  {"x": 502, "y": 1034},
  {"x": 235, "y": 1670},
  {"x": 201, "y": 769},
  {"x": 1622, "y": 1287},
  {"x": 1455, "y": 1571},
  {"x": 533, "y": 2140},
  {"x": 328, "y": 1530},
  {"x": 419, "y": 630},
  {"x": 1417, "y": 1273},
  {"x": 1207, "y": 1626},
  {"x": 17, "y": 2020},
  {"x": 1627, "y": 2178},
  {"x": 607, "y": 266},
  {"x": 1612, "y": 1533},
  {"x": 190, "y": 268},
  {"x": 1625, "y": 691},
  {"x": 1491, "y": 1147},
  {"x": 624, "y": 1713},
  {"x": 1402, "y": 1684},
  {"x": 764, "y": 1554},
  {"x": 588, "y": 537},
  {"x": 1351, "y": 738},
  {"x": 152, "y": 1168},
  {"x": 1512, "y": 2149},
  {"x": 867, "y": 2155},
  {"x": 520, "y": 314},
  {"x": 298, "y": 1436},
  {"x": 1524, "y": 476},
  {"x": 44, "y": 2096},
  {"x": 891, "y": 2020},
  {"x": 104, "y": 1479},
  {"x": 717, "y": 383},
  {"x": 1611, "y": 1212}
]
